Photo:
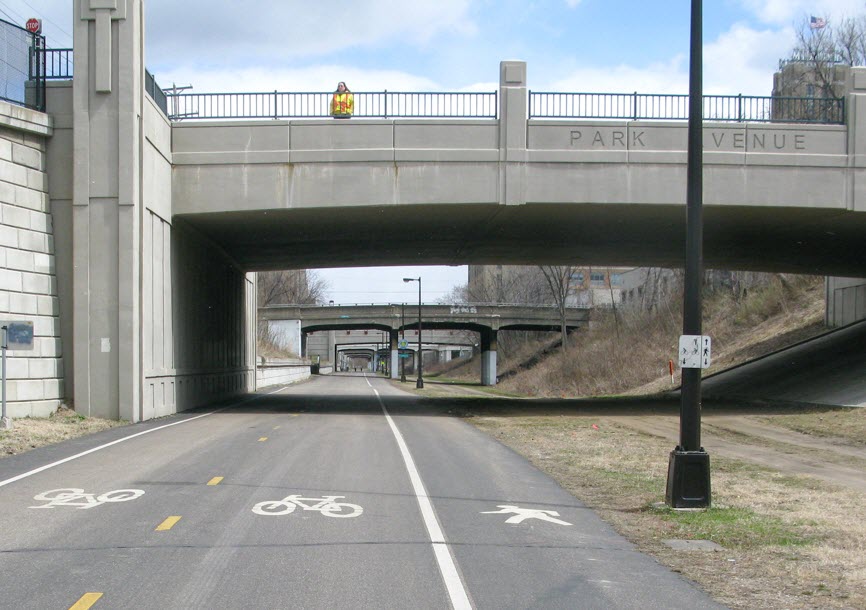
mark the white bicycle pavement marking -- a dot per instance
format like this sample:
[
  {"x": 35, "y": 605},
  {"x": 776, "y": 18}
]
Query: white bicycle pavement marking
[
  {"x": 325, "y": 505},
  {"x": 521, "y": 514},
  {"x": 78, "y": 498}
]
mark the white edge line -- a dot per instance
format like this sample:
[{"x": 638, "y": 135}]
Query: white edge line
[
  {"x": 447, "y": 566},
  {"x": 120, "y": 440}
]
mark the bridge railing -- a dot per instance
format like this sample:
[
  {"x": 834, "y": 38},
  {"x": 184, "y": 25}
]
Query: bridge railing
[
  {"x": 58, "y": 64},
  {"x": 288, "y": 105},
  {"x": 641, "y": 106}
]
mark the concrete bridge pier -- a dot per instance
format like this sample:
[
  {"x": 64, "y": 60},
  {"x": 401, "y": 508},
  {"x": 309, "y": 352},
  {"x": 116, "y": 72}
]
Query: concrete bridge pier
[
  {"x": 488, "y": 356},
  {"x": 106, "y": 215},
  {"x": 395, "y": 354},
  {"x": 163, "y": 319}
]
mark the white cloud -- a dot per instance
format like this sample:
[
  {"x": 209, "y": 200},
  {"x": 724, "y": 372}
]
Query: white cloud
[
  {"x": 742, "y": 60},
  {"x": 670, "y": 77},
  {"x": 280, "y": 31},
  {"x": 573, "y": 3},
  {"x": 315, "y": 78}
]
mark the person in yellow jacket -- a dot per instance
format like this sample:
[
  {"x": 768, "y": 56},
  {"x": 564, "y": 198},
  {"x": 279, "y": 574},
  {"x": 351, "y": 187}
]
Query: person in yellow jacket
[{"x": 343, "y": 103}]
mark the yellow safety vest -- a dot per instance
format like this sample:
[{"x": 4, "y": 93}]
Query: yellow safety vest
[{"x": 343, "y": 104}]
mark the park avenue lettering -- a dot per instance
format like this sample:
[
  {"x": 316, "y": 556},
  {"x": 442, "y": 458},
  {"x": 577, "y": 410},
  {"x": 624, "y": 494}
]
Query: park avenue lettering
[
  {"x": 612, "y": 139},
  {"x": 753, "y": 141},
  {"x": 760, "y": 141}
]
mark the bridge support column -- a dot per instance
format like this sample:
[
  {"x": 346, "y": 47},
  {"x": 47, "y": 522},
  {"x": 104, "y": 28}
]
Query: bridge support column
[
  {"x": 488, "y": 357},
  {"x": 395, "y": 354},
  {"x": 106, "y": 216},
  {"x": 303, "y": 353}
]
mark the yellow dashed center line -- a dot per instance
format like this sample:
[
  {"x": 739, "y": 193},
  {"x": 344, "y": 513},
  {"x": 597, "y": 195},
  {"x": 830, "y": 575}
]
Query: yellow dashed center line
[
  {"x": 215, "y": 481},
  {"x": 276, "y": 427},
  {"x": 167, "y": 524},
  {"x": 87, "y": 600},
  {"x": 263, "y": 439}
]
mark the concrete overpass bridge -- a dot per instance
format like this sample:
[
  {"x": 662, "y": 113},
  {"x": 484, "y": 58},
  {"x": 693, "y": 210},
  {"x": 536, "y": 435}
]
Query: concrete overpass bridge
[
  {"x": 145, "y": 266},
  {"x": 487, "y": 320}
]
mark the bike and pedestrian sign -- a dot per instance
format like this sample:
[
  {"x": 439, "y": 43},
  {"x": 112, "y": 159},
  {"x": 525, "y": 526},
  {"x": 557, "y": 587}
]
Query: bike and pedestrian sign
[{"x": 695, "y": 352}]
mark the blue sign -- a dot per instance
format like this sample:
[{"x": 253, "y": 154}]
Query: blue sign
[{"x": 19, "y": 335}]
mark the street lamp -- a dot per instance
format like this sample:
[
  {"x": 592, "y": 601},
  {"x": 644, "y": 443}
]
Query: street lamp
[
  {"x": 420, "y": 383},
  {"x": 688, "y": 484},
  {"x": 403, "y": 337}
]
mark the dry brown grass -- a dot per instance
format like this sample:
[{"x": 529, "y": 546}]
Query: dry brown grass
[
  {"x": 848, "y": 424},
  {"x": 789, "y": 542},
  {"x": 32, "y": 432},
  {"x": 629, "y": 354}
]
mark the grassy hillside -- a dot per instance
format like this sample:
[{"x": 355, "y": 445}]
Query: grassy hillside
[{"x": 628, "y": 353}]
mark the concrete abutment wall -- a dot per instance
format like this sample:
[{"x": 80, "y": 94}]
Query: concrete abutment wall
[{"x": 28, "y": 285}]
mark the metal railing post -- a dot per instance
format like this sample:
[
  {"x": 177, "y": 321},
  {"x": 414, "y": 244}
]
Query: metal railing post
[{"x": 386, "y": 103}]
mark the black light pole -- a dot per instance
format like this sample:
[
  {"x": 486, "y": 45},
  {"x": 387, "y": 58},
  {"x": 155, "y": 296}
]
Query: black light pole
[
  {"x": 688, "y": 484},
  {"x": 402, "y": 336},
  {"x": 420, "y": 383}
]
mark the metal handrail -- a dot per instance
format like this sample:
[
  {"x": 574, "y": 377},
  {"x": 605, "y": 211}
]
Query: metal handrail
[
  {"x": 641, "y": 106},
  {"x": 58, "y": 64},
  {"x": 287, "y": 105}
]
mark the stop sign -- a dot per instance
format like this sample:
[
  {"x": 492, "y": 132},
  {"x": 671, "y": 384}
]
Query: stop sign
[{"x": 34, "y": 26}]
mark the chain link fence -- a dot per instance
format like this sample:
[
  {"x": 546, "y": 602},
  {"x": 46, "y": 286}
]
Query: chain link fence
[{"x": 21, "y": 66}]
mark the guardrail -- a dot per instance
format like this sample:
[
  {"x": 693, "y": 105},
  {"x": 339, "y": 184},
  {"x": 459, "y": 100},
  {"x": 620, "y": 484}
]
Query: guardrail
[
  {"x": 285, "y": 105},
  {"x": 641, "y": 106},
  {"x": 57, "y": 64}
]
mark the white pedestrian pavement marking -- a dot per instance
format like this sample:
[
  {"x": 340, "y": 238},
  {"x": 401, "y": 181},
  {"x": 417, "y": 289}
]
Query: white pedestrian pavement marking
[
  {"x": 521, "y": 514},
  {"x": 324, "y": 505},
  {"x": 75, "y": 497}
]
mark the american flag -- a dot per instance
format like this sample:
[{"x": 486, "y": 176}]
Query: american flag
[{"x": 816, "y": 23}]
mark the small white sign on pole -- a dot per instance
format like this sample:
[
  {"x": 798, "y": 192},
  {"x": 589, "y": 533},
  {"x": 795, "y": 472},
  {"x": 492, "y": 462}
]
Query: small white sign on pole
[{"x": 695, "y": 352}]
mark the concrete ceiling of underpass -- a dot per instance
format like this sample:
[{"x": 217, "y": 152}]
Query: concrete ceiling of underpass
[{"x": 797, "y": 240}]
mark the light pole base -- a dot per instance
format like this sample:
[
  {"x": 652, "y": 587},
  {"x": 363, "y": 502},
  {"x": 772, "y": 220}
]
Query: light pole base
[
  {"x": 5, "y": 423},
  {"x": 688, "y": 479},
  {"x": 419, "y": 384}
]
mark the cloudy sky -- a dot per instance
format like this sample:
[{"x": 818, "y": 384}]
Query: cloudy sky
[{"x": 452, "y": 45}]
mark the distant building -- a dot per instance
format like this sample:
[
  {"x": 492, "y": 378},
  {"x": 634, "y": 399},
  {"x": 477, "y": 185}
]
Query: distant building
[
  {"x": 812, "y": 82},
  {"x": 589, "y": 286}
]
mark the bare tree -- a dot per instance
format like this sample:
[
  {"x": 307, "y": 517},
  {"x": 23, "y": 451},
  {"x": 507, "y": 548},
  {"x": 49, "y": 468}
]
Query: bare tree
[
  {"x": 817, "y": 68},
  {"x": 558, "y": 278},
  {"x": 295, "y": 286}
]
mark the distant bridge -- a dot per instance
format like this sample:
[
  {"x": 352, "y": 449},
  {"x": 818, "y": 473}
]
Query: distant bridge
[{"x": 485, "y": 319}]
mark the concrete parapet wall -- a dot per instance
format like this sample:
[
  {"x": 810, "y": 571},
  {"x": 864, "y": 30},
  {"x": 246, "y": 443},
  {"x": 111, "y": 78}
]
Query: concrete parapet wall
[
  {"x": 846, "y": 301},
  {"x": 280, "y": 372},
  {"x": 28, "y": 284}
]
